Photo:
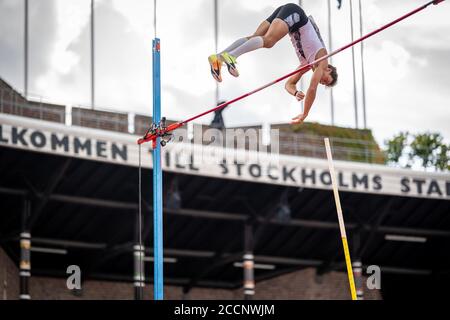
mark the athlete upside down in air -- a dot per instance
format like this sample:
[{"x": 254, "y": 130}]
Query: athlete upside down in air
[{"x": 305, "y": 36}]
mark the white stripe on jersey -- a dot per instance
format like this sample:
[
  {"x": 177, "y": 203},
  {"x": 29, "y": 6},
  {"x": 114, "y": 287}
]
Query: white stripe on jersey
[{"x": 307, "y": 41}]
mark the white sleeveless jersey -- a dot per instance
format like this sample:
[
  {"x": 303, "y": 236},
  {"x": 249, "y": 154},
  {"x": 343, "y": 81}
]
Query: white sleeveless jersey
[{"x": 307, "y": 42}]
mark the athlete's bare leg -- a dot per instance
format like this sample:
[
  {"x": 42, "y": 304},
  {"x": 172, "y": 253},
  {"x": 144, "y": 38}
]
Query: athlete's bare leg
[
  {"x": 277, "y": 30},
  {"x": 262, "y": 29}
]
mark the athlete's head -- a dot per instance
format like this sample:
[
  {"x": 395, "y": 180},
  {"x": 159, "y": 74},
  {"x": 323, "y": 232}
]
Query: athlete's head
[{"x": 330, "y": 77}]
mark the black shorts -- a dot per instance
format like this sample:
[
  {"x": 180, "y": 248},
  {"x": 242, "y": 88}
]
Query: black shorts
[{"x": 292, "y": 14}]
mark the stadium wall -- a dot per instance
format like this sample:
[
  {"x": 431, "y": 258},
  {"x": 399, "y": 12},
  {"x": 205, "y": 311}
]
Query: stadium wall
[{"x": 302, "y": 284}]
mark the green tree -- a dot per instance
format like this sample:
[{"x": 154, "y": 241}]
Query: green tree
[
  {"x": 443, "y": 158},
  {"x": 425, "y": 147},
  {"x": 395, "y": 147}
]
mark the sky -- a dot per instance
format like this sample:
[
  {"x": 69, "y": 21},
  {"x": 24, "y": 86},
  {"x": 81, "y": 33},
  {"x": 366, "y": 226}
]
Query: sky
[{"x": 407, "y": 67}]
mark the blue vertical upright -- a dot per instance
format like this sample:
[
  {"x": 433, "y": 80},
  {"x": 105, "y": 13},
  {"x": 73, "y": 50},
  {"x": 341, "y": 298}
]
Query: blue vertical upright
[{"x": 157, "y": 179}]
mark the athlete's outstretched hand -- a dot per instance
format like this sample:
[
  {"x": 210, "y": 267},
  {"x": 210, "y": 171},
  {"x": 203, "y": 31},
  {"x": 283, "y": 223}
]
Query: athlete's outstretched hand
[
  {"x": 300, "y": 96},
  {"x": 299, "y": 119}
]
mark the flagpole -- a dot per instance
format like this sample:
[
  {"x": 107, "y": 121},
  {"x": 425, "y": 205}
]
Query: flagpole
[
  {"x": 92, "y": 55},
  {"x": 362, "y": 67},
  {"x": 216, "y": 40},
  {"x": 25, "y": 90},
  {"x": 330, "y": 47},
  {"x": 300, "y": 3},
  {"x": 355, "y": 96}
]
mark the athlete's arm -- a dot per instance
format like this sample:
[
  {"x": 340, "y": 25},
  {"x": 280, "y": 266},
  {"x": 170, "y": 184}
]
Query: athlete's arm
[
  {"x": 291, "y": 84},
  {"x": 311, "y": 93}
]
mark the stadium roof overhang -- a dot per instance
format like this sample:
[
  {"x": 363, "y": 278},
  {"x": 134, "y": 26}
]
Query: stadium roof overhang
[{"x": 82, "y": 185}]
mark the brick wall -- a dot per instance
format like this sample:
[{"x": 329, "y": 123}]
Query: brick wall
[
  {"x": 299, "y": 285},
  {"x": 9, "y": 278},
  {"x": 36, "y": 110},
  {"x": 306, "y": 285},
  {"x": 11, "y": 102},
  {"x": 141, "y": 124},
  {"x": 45, "y": 111},
  {"x": 55, "y": 289},
  {"x": 111, "y": 121}
]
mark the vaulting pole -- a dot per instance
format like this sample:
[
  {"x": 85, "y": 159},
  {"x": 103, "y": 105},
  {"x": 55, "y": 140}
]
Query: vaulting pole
[
  {"x": 348, "y": 261},
  {"x": 158, "y": 288}
]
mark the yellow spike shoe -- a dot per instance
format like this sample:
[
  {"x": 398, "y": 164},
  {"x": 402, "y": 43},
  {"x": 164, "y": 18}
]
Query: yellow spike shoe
[
  {"x": 216, "y": 65},
  {"x": 230, "y": 61}
]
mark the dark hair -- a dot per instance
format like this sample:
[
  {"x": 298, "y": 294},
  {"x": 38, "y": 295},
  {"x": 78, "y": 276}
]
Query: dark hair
[{"x": 334, "y": 75}]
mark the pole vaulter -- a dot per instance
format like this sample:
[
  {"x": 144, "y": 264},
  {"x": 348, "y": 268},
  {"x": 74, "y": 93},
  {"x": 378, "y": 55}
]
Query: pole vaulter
[
  {"x": 163, "y": 131},
  {"x": 159, "y": 134}
]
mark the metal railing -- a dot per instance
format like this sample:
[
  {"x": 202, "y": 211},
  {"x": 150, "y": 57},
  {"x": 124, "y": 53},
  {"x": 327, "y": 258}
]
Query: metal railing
[{"x": 100, "y": 119}]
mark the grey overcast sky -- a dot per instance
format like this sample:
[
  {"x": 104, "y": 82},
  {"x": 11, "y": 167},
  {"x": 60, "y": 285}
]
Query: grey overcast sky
[{"x": 407, "y": 66}]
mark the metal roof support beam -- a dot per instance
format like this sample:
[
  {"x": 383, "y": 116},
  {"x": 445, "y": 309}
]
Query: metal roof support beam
[
  {"x": 406, "y": 271},
  {"x": 288, "y": 261},
  {"x": 70, "y": 244},
  {"x": 224, "y": 260},
  {"x": 53, "y": 183},
  {"x": 314, "y": 224},
  {"x": 22, "y": 195},
  {"x": 94, "y": 202},
  {"x": 265, "y": 220},
  {"x": 412, "y": 231},
  {"x": 231, "y": 216},
  {"x": 207, "y": 214},
  {"x": 110, "y": 252},
  {"x": 185, "y": 253},
  {"x": 226, "y": 257},
  {"x": 13, "y": 192},
  {"x": 375, "y": 228}
]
